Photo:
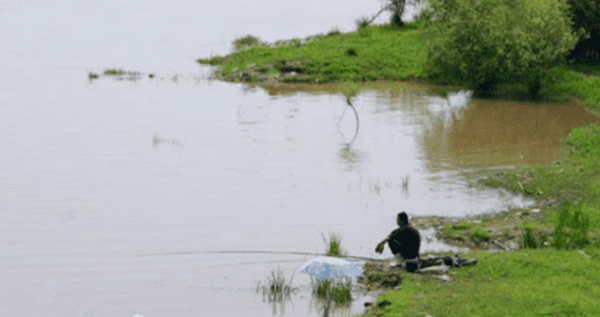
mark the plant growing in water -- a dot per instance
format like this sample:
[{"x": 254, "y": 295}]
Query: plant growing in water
[
  {"x": 333, "y": 244},
  {"x": 276, "y": 288},
  {"x": 341, "y": 289}
]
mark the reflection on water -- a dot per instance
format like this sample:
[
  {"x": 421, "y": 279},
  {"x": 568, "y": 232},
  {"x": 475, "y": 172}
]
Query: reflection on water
[
  {"x": 487, "y": 133},
  {"x": 96, "y": 172}
]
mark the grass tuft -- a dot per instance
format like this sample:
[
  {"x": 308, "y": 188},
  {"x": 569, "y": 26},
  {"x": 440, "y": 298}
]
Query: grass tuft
[
  {"x": 333, "y": 244},
  {"x": 276, "y": 287},
  {"x": 341, "y": 289},
  {"x": 478, "y": 234}
]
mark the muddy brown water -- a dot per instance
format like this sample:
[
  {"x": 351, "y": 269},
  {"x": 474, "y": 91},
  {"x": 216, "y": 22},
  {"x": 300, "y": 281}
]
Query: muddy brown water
[{"x": 112, "y": 190}]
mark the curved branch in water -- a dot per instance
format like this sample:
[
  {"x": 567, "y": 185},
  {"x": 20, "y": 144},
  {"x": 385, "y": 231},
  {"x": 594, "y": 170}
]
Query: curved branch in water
[{"x": 356, "y": 115}]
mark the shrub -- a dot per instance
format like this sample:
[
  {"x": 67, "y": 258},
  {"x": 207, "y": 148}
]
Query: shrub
[
  {"x": 485, "y": 42},
  {"x": 362, "y": 22},
  {"x": 246, "y": 41}
]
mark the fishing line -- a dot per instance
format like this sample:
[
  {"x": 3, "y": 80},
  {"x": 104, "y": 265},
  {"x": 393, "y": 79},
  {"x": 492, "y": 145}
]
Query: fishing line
[{"x": 260, "y": 252}]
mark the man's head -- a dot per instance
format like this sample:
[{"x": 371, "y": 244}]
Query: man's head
[{"x": 402, "y": 219}]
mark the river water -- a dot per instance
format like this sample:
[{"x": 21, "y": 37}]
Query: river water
[{"x": 112, "y": 191}]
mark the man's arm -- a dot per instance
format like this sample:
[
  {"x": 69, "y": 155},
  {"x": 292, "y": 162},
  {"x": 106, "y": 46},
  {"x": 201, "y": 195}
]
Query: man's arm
[{"x": 381, "y": 245}]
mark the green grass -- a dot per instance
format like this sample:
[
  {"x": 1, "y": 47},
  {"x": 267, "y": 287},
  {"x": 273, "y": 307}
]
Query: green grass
[
  {"x": 477, "y": 234},
  {"x": 341, "y": 289},
  {"x": 371, "y": 53},
  {"x": 333, "y": 244},
  {"x": 114, "y": 72},
  {"x": 276, "y": 287},
  {"x": 529, "y": 282}
]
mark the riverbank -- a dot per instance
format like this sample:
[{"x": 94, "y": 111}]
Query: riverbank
[
  {"x": 541, "y": 282},
  {"x": 534, "y": 278},
  {"x": 388, "y": 53}
]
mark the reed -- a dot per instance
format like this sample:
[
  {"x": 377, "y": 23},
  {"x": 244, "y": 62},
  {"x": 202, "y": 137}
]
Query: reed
[{"x": 276, "y": 287}]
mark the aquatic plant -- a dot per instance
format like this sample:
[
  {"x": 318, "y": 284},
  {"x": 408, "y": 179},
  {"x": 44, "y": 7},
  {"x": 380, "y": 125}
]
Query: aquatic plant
[
  {"x": 340, "y": 289},
  {"x": 276, "y": 287},
  {"x": 113, "y": 72},
  {"x": 333, "y": 244},
  {"x": 405, "y": 181},
  {"x": 92, "y": 75}
]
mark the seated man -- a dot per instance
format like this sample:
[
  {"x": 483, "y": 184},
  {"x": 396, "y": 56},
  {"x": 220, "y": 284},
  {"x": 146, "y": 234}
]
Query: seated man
[{"x": 404, "y": 242}]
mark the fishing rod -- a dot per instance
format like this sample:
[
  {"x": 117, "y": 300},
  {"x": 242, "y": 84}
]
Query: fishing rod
[{"x": 262, "y": 252}]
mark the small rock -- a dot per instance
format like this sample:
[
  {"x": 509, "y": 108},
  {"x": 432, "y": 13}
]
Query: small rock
[
  {"x": 477, "y": 221},
  {"x": 513, "y": 245},
  {"x": 439, "y": 269},
  {"x": 535, "y": 210},
  {"x": 444, "y": 278}
]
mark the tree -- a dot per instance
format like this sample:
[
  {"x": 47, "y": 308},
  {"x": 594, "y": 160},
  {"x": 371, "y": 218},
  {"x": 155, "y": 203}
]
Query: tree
[
  {"x": 485, "y": 42},
  {"x": 586, "y": 18},
  {"x": 397, "y": 9}
]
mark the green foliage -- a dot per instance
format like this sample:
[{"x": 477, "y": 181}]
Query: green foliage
[
  {"x": 335, "y": 31},
  {"x": 246, "y": 42},
  {"x": 572, "y": 228},
  {"x": 477, "y": 234},
  {"x": 333, "y": 244},
  {"x": 351, "y": 52},
  {"x": 113, "y": 72},
  {"x": 215, "y": 60},
  {"x": 586, "y": 18},
  {"x": 362, "y": 22},
  {"x": 384, "y": 53},
  {"x": 529, "y": 282},
  {"x": 276, "y": 287},
  {"x": 529, "y": 240},
  {"x": 463, "y": 225},
  {"x": 484, "y": 42},
  {"x": 341, "y": 289},
  {"x": 93, "y": 76}
]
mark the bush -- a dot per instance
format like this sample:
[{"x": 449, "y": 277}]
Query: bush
[
  {"x": 485, "y": 42},
  {"x": 246, "y": 42}
]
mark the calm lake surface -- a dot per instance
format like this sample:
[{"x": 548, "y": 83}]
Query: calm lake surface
[{"x": 112, "y": 191}]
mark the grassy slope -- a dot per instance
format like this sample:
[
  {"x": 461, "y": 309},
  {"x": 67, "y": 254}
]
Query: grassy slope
[
  {"x": 524, "y": 283},
  {"x": 382, "y": 52}
]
